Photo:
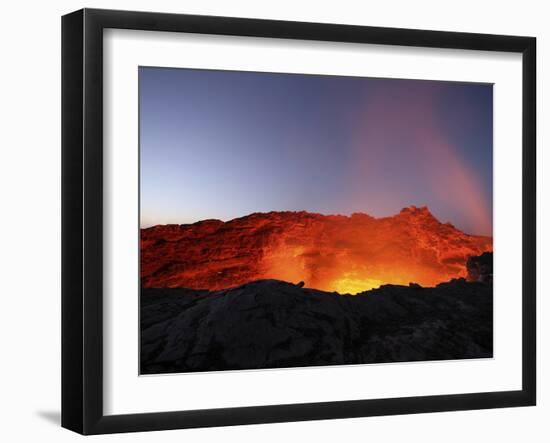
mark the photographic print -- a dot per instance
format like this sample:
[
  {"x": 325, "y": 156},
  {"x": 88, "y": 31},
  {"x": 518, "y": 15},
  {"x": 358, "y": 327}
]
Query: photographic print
[{"x": 292, "y": 220}]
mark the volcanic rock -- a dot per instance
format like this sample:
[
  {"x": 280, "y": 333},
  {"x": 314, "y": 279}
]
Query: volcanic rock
[
  {"x": 480, "y": 268},
  {"x": 327, "y": 252},
  {"x": 274, "y": 324}
]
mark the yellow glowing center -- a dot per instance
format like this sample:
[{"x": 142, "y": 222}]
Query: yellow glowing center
[{"x": 354, "y": 285}]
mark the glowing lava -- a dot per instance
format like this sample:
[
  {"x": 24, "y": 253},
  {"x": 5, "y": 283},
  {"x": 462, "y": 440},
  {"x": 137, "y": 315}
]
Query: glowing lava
[
  {"x": 353, "y": 284},
  {"x": 327, "y": 252}
]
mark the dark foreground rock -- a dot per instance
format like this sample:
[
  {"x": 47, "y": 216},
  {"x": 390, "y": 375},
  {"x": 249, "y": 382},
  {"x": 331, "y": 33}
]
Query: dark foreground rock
[
  {"x": 480, "y": 268},
  {"x": 274, "y": 324}
]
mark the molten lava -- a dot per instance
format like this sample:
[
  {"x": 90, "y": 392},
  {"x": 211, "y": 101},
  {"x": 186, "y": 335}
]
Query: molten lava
[{"x": 327, "y": 252}]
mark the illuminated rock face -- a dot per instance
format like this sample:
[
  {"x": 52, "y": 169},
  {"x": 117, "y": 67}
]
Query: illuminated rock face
[{"x": 327, "y": 252}]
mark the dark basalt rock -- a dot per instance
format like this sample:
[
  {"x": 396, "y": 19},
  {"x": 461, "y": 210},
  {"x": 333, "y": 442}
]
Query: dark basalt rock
[
  {"x": 480, "y": 268},
  {"x": 274, "y": 324}
]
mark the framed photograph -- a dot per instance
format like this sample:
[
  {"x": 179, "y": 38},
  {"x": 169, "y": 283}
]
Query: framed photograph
[{"x": 268, "y": 221}]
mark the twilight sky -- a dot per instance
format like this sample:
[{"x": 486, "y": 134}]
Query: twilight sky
[{"x": 220, "y": 144}]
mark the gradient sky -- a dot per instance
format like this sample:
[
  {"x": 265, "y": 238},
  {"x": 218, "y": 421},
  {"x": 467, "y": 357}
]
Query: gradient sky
[{"x": 221, "y": 144}]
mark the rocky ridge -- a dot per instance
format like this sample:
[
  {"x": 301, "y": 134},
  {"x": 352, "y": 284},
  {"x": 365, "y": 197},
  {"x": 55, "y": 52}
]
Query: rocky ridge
[
  {"x": 275, "y": 324},
  {"x": 347, "y": 254}
]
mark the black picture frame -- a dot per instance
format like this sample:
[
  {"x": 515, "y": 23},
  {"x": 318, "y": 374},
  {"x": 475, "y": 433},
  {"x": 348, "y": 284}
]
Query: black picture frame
[{"x": 82, "y": 218}]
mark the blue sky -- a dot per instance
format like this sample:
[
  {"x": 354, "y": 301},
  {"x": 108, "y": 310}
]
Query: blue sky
[{"x": 223, "y": 144}]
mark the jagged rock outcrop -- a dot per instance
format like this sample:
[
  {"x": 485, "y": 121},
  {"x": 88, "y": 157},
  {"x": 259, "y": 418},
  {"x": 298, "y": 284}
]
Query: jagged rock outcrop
[
  {"x": 480, "y": 268},
  {"x": 328, "y": 252},
  {"x": 274, "y": 324}
]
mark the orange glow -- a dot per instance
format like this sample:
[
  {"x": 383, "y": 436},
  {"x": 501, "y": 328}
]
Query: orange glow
[{"x": 332, "y": 253}]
